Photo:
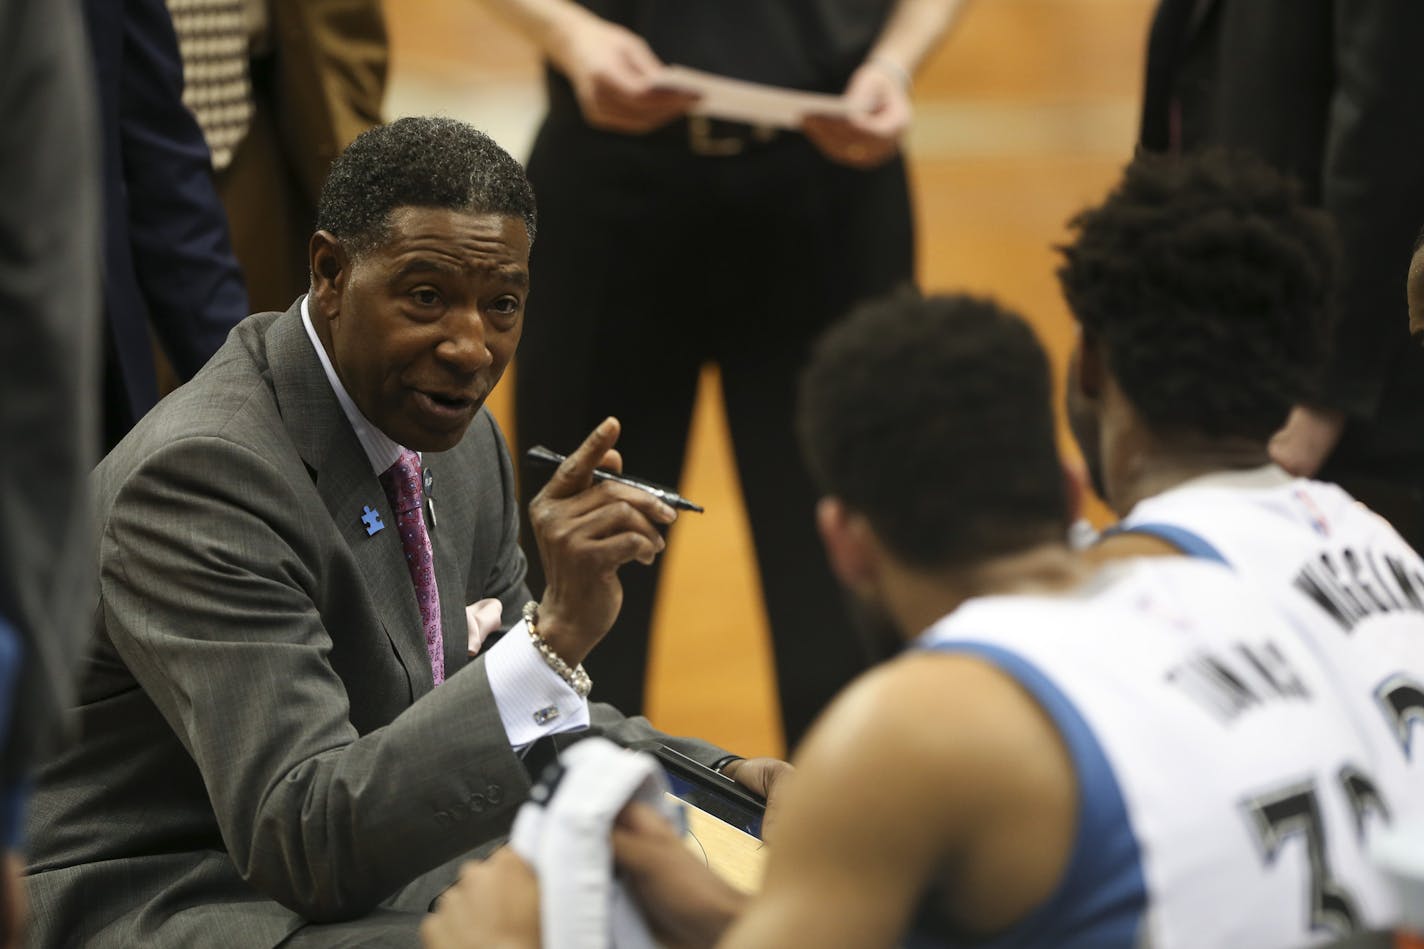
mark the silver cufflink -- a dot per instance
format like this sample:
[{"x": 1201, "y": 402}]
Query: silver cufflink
[{"x": 545, "y": 715}]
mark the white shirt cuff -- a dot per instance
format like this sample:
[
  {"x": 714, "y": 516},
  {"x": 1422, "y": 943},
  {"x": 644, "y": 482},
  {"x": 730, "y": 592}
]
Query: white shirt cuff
[{"x": 533, "y": 699}]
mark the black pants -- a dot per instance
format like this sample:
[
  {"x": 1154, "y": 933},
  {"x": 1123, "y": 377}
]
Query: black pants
[{"x": 651, "y": 261}]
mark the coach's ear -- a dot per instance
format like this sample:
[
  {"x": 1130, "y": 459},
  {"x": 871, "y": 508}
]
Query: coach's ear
[
  {"x": 330, "y": 268},
  {"x": 850, "y": 545}
]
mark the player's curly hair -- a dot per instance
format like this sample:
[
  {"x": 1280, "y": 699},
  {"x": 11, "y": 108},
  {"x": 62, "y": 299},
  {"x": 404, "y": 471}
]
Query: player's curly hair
[
  {"x": 933, "y": 418},
  {"x": 1211, "y": 285},
  {"x": 419, "y": 162}
]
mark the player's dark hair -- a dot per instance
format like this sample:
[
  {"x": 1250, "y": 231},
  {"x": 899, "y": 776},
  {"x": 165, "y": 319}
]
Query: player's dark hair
[
  {"x": 1211, "y": 285},
  {"x": 933, "y": 418},
  {"x": 423, "y": 163}
]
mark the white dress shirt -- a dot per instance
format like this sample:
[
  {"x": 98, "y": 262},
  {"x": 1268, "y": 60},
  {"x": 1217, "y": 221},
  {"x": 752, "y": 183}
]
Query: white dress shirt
[{"x": 533, "y": 699}]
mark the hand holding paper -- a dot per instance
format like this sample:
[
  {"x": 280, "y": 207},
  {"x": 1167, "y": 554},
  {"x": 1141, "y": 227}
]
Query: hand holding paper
[
  {"x": 861, "y": 127},
  {"x": 614, "y": 73},
  {"x": 868, "y": 132}
]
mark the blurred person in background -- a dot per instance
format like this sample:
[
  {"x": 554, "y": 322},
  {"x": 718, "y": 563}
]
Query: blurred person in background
[
  {"x": 49, "y": 366},
  {"x": 172, "y": 288},
  {"x": 669, "y": 241},
  {"x": 279, "y": 90}
]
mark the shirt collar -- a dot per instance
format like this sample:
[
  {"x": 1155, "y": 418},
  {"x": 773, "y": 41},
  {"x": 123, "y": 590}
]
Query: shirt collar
[{"x": 381, "y": 450}]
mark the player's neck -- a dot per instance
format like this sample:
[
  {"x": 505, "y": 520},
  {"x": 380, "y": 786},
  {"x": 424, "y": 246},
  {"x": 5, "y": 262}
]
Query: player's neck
[
  {"x": 1151, "y": 465},
  {"x": 917, "y": 598}
]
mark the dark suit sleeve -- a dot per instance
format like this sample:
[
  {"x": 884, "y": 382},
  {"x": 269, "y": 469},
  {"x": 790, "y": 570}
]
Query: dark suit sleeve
[
  {"x": 49, "y": 324},
  {"x": 219, "y": 615},
  {"x": 640, "y": 735},
  {"x": 1374, "y": 188},
  {"x": 182, "y": 254}
]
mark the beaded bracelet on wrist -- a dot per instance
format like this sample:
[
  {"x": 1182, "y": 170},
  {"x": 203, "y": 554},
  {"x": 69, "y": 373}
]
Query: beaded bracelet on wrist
[{"x": 576, "y": 678}]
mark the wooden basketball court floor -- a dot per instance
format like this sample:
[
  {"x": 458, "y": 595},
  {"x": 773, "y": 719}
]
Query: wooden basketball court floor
[{"x": 1023, "y": 116}]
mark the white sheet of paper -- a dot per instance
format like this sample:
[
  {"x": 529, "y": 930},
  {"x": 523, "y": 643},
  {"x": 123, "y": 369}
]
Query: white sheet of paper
[{"x": 750, "y": 102}]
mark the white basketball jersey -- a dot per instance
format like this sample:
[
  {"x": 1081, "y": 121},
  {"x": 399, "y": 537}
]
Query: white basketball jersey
[
  {"x": 1347, "y": 580},
  {"x": 1243, "y": 781}
]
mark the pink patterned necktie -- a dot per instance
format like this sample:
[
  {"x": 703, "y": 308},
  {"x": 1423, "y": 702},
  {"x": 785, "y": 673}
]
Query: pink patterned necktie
[{"x": 403, "y": 488}]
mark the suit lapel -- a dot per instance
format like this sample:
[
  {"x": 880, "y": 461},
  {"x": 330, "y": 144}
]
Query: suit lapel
[{"x": 347, "y": 486}]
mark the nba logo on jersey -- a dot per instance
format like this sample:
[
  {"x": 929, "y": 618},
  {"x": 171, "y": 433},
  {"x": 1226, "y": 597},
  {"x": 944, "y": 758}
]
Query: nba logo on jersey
[{"x": 1312, "y": 512}]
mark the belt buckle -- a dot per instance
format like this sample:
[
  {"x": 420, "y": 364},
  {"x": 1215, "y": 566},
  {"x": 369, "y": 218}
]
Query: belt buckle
[{"x": 701, "y": 141}]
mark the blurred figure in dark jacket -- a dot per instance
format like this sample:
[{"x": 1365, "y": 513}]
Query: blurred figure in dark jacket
[
  {"x": 279, "y": 90},
  {"x": 168, "y": 263},
  {"x": 1330, "y": 92},
  {"x": 49, "y": 364}
]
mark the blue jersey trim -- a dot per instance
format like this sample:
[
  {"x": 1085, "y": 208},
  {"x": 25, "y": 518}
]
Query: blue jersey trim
[
  {"x": 1193, "y": 545},
  {"x": 1101, "y": 900}
]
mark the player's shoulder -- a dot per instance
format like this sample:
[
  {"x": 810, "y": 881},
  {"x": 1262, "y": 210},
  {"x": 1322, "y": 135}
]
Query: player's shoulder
[
  {"x": 1125, "y": 590},
  {"x": 1340, "y": 512},
  {"x": 930, "y": 716},
  {"x": 1173, "y": 596},
  {"x": 1131, "y": 578},
  {"x": 1249, "y": 502}
]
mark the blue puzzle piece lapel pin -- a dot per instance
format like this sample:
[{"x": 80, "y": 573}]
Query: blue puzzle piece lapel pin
[{"x": 372, "y": 520}]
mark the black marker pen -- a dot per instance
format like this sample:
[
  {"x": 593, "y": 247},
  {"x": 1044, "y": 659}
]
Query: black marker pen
[{"x": 553, "y": 459}]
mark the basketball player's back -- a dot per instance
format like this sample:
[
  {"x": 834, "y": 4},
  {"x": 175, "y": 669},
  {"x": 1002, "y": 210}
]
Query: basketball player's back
[
  {"x": 1218, "y": 786},
  {"x": 1348, "y": 582}
]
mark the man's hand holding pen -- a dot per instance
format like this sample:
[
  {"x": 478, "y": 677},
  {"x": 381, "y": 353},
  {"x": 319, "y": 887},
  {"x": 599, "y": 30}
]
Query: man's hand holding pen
[
  {"x": 544, "y": 456},
  {"x": 586, "y": 528}
]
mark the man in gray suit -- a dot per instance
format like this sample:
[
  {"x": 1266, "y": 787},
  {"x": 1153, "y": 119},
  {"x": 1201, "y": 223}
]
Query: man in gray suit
[{"x": 283, "y": 738}]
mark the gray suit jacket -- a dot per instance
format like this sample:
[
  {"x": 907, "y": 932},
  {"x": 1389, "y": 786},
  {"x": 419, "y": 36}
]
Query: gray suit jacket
[{"x": 262, "y": 744}]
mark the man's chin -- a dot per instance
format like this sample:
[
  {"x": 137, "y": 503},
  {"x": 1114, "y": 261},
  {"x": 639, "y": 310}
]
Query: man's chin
[
  {"x": 426, "y": 437},
  {"x": 440, "y": 441}
]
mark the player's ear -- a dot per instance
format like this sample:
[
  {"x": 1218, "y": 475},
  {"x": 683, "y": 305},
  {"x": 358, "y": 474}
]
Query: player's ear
[{"x": 850, "y": 547}]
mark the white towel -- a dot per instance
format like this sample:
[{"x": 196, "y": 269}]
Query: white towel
[{"x": 568, "y": 840}]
